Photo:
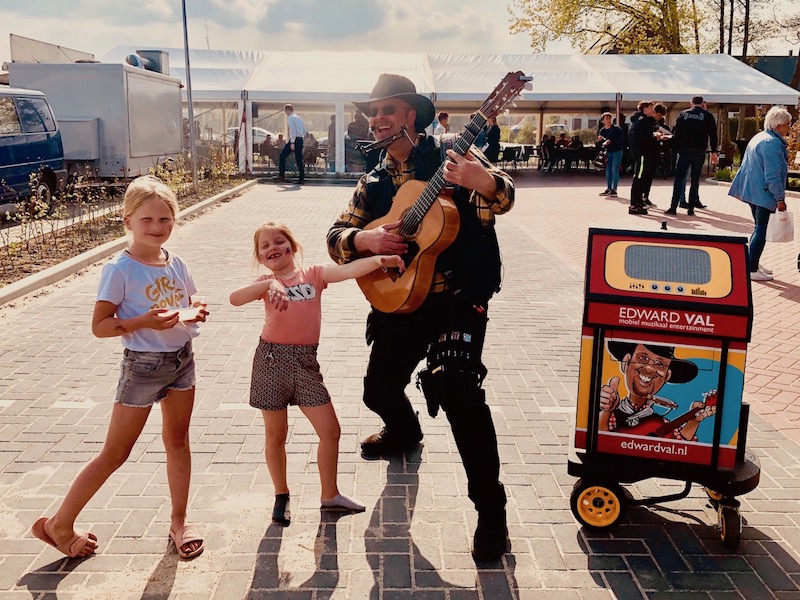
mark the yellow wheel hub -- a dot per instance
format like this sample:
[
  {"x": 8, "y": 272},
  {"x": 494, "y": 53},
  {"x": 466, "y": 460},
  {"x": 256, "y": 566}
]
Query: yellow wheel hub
[{"x": 598, "y": 506}]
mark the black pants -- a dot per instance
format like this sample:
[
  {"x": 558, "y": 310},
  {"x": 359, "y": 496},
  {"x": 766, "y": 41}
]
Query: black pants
[
  {"x": 298, "y": 157},
  {"x": 399, "y": 343},
  {"x": 642, "y": 179},
  {"x": 688, "y": 158}
]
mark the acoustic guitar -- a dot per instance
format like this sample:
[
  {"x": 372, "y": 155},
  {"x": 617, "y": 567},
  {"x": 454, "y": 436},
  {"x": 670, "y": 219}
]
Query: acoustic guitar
[
  {"x": 430, "y": 221},
  {"x": 656, "y": 428}
]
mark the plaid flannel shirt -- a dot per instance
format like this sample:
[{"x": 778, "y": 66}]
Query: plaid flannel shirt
[{"x": 341, "y": 246}]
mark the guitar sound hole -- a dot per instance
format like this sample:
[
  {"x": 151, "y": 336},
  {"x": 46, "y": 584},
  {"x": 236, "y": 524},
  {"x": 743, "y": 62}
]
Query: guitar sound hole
[{"x": 413, "y": 250}]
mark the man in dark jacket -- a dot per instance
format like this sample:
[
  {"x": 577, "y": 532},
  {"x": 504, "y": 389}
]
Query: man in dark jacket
[
  {"x": 449, "y": 326},
  {"x": 695, "y": 130},
  {"x": 643, "y": 146}
]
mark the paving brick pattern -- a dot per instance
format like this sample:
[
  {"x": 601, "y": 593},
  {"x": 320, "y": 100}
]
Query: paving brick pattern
[{"x": 413, "y": 541}]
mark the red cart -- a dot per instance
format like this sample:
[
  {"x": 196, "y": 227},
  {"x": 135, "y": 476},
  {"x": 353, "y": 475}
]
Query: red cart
[{"x": 666, "y": 322}]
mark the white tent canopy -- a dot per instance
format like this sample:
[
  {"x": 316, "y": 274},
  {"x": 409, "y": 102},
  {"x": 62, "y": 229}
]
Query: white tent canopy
[{"x": 561, "y": 82}]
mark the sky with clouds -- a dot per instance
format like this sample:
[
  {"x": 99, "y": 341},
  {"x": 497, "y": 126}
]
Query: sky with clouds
[{"x": 96, "y": 26}]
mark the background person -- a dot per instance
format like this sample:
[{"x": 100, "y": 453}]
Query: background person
[
  {"x": 443, "y": 125},
  {"x": 643, "y": 146},
  {"x": 695, "y": 130},
  {"x": 612, "y": 138},
  {"x": 761, "y": 182},
  {"x": 492, "y": 140},
  {"x": 297, "y": 133}
]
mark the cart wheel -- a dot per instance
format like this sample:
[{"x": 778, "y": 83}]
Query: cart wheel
[
  {"x": 730, "y": 526},
  {"x": 597, "y": 505}
]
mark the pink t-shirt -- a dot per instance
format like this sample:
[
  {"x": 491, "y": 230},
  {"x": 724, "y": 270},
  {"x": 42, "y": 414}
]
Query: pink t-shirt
[{"x": 301, "y": 322}]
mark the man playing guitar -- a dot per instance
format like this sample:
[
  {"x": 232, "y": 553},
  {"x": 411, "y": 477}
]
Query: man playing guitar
[{"x": 450, "y": 324}]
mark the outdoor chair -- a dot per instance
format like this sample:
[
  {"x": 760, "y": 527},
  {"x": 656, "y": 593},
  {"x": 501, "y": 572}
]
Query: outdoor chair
[{"x": 510, "y": 155}]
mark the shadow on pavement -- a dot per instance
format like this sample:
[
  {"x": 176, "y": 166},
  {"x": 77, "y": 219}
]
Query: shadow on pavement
[
  {"x": 44, "y": 581},
  {"x": 649, "y": 554},
  {"x": 266, "y": 577},
  {"x": 397, "y": 563},
  {"x": 162, "y": 580}
]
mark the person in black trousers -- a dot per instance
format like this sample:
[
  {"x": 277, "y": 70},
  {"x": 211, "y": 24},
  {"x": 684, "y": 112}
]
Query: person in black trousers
[
  {"x": 643, "y": 147},
  {"x": 695, "y": 130},
  {"x": 297, "y": 133},
  {"x": 449, "y": 326}
]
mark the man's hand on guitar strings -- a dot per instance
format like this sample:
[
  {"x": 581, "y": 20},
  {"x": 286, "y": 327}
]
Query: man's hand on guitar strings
[
  {"x": 467, "y": 172},
  {"x": 381, "y": 240}
]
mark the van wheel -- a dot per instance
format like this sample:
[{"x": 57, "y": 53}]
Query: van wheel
[{"x": 41, "y": 200}]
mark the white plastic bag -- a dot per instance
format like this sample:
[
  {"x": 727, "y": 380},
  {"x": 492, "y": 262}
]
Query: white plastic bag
[{"x": 780, "y": 227}]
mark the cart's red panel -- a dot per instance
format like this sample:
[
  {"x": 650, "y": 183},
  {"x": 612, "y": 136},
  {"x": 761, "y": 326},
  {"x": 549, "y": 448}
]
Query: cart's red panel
[{"x": 663, "y": 352}]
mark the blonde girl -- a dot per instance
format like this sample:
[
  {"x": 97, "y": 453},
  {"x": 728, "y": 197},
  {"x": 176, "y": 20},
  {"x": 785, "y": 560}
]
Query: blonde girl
[
  {"x": 285, "y": 367},
  {"x": 138, "y": 299}
]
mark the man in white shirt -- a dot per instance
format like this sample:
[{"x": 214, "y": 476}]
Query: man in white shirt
[
  {"x": 444, "y": 124},
  {"x": 297, "y": 131}
]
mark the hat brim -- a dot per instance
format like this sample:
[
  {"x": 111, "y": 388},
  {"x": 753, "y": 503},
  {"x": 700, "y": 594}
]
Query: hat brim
[
  {"x": 422, "y": 104},
  {"x": 681, "y": 370}
]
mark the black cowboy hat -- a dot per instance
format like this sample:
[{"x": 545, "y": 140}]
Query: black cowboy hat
[
  {"x": 397, "y": 86},
  {"x": 682, "y": 370}
]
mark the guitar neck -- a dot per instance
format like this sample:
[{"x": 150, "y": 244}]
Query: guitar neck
[
  {"x": 414, "y": 216},
  {"x": 685, "y": 418}
]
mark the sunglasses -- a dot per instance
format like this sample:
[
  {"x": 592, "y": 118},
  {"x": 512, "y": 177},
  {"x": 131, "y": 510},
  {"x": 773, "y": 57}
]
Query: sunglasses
[{"x": 387, "y": 110}]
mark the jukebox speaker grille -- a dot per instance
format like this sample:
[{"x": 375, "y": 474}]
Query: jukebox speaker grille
[{"x": 661, "y": 263}]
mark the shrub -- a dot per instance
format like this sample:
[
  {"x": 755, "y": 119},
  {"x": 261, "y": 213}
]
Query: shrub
[{"x": 724, "y": 175}]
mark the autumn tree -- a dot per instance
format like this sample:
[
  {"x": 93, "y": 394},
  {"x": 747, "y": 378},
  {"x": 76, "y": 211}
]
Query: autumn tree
[{"x": 632, "y": 26}]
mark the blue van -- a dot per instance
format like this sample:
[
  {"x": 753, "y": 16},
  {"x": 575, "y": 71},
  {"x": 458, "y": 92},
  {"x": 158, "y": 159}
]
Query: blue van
[{"x": 30, "y": 142}]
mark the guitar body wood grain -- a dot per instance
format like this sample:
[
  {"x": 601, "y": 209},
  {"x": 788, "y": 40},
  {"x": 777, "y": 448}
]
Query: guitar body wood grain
[{"x": 436, "y": 232}]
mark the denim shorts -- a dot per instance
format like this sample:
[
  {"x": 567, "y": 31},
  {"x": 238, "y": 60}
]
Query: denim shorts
[
  {"x": 285, "y": 374},
  {"x": 147, "y": 377}
]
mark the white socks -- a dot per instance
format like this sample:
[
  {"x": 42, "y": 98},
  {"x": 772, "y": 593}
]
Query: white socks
[{"x": 342, "y": 502}]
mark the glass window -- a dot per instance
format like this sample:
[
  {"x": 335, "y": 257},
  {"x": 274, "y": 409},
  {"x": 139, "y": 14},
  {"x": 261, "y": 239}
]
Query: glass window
[
  {"x": 9, "y": 122},
  {"x": 35, "y": 115}
]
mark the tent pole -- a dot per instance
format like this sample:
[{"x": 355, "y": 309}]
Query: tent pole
[
  {"x": 340, "y": 154},
  {"x": 192, "y": 140}
]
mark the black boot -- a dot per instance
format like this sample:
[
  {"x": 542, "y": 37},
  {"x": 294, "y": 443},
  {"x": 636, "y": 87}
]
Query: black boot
[
  {"x": 281, "y": 515},
  {"x": 388, "y": 441},
  {"x": 491, "y": 538}
]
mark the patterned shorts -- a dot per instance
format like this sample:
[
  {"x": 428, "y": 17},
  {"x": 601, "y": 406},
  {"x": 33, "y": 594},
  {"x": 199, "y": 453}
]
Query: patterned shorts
[{"x": 285, "y": 374}]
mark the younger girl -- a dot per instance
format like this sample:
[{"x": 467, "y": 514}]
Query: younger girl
[
  {"x": 285, "y": 367},
  {"x": 136, "y": 290}
]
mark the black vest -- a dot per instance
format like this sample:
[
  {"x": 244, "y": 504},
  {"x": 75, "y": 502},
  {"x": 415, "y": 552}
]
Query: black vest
[{"x": 471, "y": 265}]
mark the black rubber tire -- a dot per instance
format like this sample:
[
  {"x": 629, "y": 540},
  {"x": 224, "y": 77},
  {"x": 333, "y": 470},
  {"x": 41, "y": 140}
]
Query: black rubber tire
[
  {"x": 597, "y": 505},
  {"x": 730, "y": 526}
]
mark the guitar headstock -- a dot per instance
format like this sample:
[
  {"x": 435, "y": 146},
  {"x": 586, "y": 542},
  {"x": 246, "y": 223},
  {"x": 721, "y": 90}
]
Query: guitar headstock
[{"x": 508, "y": 89}]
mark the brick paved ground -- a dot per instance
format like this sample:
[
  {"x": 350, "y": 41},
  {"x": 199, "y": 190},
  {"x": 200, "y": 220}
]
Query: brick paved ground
[{"x": 413, "y": 541}]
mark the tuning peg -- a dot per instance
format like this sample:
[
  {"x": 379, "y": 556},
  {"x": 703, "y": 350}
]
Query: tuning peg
[
  {"x": 506, "y": 111},
  {"x": 529, "y": 86},
  {"x": 513, "y": 105}
]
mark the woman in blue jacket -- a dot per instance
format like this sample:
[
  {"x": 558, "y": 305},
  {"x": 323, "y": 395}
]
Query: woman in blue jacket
[{"x": 761, "y": 182}]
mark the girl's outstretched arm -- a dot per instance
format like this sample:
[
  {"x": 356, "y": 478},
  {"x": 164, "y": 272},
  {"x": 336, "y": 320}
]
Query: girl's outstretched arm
[
  {"x": 362, "y": 266},
  {"x": 257, "y": 290}
]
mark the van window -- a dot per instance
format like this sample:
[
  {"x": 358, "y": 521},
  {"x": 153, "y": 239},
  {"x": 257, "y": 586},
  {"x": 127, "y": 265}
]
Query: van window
[
  {"x": 9, "y": 122},
  {"x": 35, "y": 114}
]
